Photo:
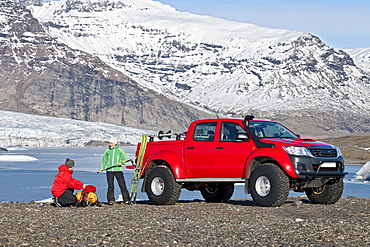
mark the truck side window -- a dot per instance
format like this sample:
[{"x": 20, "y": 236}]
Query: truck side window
[
  {"x": 229, "y": 131},
  {"x": 205, "y": 132}
]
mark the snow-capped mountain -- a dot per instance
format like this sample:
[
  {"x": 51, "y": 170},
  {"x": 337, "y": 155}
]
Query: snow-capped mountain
[
  {"x": 41, "y": 75},
  {"x": 228, "y": 67},
  {"x": 361, "y": 56},
  {"x": 19, "y": 129}
]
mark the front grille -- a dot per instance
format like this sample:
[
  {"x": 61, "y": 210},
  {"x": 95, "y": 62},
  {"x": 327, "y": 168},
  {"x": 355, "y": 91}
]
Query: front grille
[{"x": 323, "y": 152}]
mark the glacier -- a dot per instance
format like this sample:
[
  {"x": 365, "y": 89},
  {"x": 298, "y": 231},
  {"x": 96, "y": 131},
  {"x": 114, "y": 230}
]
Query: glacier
[{"x": 26, "y": 130}]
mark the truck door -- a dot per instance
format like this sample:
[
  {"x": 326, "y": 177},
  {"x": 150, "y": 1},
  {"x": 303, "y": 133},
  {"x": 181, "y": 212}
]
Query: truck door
[
  {"x": 200, "y": 149},
  {"x": 231, "y": 155}
]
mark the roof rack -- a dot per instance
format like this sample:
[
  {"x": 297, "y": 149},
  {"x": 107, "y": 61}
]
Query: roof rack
[{"x": 169, "y": 134}]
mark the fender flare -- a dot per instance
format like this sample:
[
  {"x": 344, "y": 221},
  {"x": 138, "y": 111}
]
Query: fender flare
[
  {"x": 173, "y": 161},
  {"x": 271, "y": 154}
]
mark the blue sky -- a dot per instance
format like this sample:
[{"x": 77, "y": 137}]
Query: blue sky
[{"x": 339, "y": 23}]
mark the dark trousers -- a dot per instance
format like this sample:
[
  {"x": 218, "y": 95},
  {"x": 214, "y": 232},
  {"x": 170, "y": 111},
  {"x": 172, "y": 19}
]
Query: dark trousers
[
  {"x": 121, "y": 183},
  {"x": 67, "y": 198}
]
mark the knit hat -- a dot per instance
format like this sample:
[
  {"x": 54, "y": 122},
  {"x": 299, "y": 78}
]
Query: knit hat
[
  {"x": 113, "y": 140},
  {"x": 70, "y": 163}
]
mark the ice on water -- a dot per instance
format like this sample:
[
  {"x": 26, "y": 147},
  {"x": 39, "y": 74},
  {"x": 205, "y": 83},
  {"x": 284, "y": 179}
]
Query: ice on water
[
  {"x": 363, "y": 175},
  {"x": 10, "y": 157}
]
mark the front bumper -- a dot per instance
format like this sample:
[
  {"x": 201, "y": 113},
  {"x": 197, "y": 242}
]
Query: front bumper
[{"x": 311, "y": 168}]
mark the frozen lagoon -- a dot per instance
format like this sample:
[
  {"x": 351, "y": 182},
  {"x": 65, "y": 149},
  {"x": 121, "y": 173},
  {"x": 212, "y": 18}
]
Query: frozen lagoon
[{"x": 27, "y": 174}]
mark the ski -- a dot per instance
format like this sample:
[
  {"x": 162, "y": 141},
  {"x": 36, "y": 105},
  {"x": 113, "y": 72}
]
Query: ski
[{"x": 138, "y": 169}]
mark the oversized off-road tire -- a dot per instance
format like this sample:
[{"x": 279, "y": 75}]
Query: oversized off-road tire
[
  {"x": 326, "y": 194},
  {"x": 269, "y": 185},
  {"x": 217, "y": 192},
  {"x": 161, "y": 186}
]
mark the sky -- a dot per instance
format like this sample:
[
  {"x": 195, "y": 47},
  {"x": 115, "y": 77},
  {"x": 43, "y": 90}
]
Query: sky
[{"x": 343, "y": 24}]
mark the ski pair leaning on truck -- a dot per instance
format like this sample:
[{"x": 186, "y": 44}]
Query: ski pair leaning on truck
[{"x": 267, "y": 157}]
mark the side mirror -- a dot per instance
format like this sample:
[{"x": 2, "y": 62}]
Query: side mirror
[{"x": 243, "y": 137}]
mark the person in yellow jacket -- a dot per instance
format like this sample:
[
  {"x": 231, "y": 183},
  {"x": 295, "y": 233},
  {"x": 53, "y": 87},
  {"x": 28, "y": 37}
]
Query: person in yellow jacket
[{"x": 113, "y": 159}]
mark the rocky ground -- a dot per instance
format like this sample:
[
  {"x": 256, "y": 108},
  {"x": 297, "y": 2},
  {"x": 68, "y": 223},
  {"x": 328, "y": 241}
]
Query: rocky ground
[{"x": 196, "y": 223}]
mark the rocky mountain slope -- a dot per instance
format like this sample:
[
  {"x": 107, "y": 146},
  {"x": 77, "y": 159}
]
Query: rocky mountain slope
[
  {"x": 40, "y": 75},
  {"x": 227, "y": 67}
]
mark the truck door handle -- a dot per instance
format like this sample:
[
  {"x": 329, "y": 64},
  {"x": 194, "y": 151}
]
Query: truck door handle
[
  {"x": 191, "y": 147},
  {"x": 219, "y": 147}
]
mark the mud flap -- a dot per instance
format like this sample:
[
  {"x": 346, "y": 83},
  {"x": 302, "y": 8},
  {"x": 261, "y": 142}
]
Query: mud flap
[{"x": 246, "y": 186}]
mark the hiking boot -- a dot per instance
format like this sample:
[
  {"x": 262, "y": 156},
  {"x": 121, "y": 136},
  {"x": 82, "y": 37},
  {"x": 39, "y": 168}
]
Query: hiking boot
[{"x": 57, "y": 204}]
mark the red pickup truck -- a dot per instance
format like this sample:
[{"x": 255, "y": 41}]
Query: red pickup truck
[{"x": 264, "y": 155}]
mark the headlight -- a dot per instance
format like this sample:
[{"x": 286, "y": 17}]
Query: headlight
[
  {"x": 339, "y": 152},
  {"x": 301, "y": 151}
]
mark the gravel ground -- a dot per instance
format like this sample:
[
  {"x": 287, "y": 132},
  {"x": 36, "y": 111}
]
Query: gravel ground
[{"x": 188, "y": 223}]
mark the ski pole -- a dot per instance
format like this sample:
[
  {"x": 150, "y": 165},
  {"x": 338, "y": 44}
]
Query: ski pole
[{"x": 120, "y": 164}]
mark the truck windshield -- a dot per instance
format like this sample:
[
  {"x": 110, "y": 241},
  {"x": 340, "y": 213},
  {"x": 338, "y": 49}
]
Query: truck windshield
[{"x": 270, "y": 130}]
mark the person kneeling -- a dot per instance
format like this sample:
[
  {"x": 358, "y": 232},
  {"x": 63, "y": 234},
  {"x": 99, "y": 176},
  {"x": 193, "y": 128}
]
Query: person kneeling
[{"x": 64, "y": 185}]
